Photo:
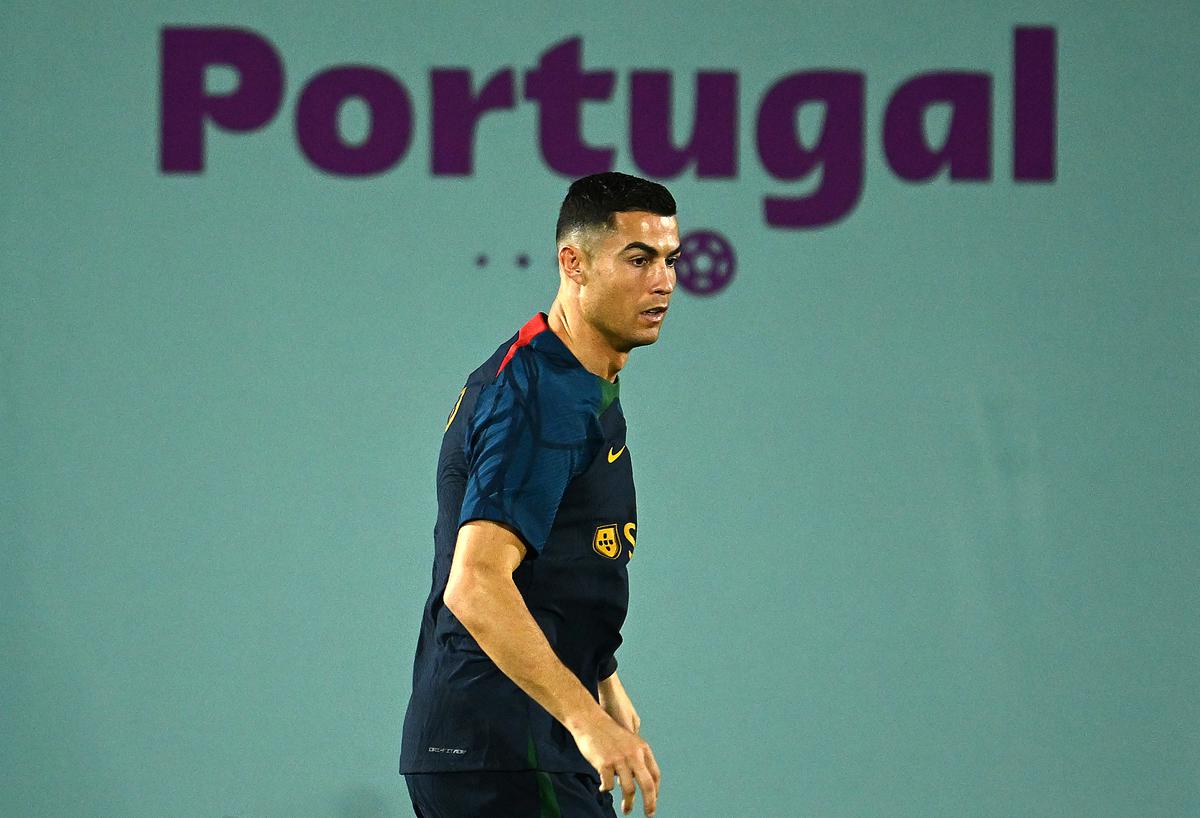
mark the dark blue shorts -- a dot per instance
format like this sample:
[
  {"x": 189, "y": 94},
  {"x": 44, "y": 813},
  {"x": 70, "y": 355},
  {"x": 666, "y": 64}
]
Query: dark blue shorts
[{"x": 503, "y": 794}]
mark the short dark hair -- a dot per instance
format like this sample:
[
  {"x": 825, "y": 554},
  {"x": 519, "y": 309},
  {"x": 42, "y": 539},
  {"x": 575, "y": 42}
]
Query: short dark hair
[{"x": 592, "y": 201}]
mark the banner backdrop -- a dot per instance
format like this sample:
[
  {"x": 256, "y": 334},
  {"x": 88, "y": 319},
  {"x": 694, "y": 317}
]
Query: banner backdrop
[{"x": 916, "y": 453}]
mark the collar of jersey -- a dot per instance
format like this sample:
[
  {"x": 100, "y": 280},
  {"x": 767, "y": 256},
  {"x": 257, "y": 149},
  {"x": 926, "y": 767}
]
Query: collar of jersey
[{"x": 549, "y": 343}]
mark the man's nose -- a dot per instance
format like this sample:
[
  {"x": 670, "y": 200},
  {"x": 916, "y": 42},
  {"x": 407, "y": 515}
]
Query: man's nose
[{"x": 664, "y": 279}]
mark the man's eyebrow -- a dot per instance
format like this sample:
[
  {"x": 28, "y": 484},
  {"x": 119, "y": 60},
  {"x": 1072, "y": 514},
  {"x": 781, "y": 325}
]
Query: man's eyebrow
[{"x": 647, "y": 249}]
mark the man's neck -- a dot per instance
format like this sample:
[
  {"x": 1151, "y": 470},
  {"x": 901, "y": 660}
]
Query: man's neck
[{"x": 585, "y": 342}]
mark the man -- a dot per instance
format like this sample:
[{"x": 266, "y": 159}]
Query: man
[{"x": 517, "y": 709}]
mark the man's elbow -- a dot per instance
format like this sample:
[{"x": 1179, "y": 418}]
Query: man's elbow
[
  {"x": 458, "y": 598},
  {"x": 480, "y": 579},
  {"x": 467, "y": 596}
]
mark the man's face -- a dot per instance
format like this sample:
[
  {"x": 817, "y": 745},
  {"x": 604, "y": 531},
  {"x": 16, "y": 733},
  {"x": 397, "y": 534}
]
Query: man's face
[{"x": 630, "y": 277}]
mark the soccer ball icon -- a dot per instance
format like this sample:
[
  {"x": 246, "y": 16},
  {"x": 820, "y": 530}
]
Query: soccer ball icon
[{"x": 706, "y": 264}]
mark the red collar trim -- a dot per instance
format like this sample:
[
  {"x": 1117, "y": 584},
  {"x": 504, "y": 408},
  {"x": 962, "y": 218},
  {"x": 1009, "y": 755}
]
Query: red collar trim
[{"x": 532, "y": 327}]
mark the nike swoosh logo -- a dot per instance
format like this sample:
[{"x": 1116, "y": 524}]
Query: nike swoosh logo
[{"x": 612, "y": 457}]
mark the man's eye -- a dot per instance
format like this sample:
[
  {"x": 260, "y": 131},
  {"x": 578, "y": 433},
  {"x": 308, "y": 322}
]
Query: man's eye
[
  {"x": 639, "y": 261},
  {"x": 671, "y": 261}
]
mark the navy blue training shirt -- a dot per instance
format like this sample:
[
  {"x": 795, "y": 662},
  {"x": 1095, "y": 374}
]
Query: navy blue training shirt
[{"x": 535, "y": 442}]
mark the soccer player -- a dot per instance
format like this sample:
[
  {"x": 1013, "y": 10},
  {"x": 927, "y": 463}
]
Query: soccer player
[{"x": 516, "y": 707}]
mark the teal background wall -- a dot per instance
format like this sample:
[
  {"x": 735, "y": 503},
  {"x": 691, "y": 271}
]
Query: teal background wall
[{"x": 917, "y": 493}]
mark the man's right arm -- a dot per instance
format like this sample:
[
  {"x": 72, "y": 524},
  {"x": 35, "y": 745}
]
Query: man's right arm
[{"x": 482, "y": 594}]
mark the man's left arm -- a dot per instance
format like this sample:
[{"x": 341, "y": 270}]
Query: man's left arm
[{"x": 615, "y": 701}]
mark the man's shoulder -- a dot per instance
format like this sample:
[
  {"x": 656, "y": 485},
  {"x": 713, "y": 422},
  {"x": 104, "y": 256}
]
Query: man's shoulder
[
  {"x": 541, "y": 386},
  {"x": 534, "y": 368}
]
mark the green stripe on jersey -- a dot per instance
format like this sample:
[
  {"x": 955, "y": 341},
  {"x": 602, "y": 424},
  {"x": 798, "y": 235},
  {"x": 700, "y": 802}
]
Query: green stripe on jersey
[
  {"x": 547, "y": 800},
  {"x": 608, "y": 393}
]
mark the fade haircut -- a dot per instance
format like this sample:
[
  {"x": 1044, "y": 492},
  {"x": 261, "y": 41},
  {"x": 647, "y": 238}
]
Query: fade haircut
[{"x": 592, "y": 201}]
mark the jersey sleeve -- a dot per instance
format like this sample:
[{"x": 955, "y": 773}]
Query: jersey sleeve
[
  {"x": 607, "y": 667},
  {"x": 529, "y": 435}
]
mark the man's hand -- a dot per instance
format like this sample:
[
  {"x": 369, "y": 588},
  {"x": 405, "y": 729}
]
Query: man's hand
[
  {"x": 616, "y": 703},
  {"x": 617, "y": 751}
]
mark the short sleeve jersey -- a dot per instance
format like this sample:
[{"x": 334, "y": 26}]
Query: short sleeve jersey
[{"x": 535, "y": 442}]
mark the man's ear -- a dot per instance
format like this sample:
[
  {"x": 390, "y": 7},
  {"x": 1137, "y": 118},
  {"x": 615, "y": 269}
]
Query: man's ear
[{"x": 571, "y": 261}]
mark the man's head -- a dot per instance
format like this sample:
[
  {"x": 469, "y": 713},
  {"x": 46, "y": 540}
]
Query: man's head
[{"x": 618, "y": 240}]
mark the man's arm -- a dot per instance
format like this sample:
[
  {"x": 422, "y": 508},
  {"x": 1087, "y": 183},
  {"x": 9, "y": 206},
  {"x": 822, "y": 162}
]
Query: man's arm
[
  {"x": 617, "y": 704},
  {"x": 481, "y": 593}
]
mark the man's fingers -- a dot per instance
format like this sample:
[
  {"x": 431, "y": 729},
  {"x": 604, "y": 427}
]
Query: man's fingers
[
  {"x": 634, "y": 769},
  {"x": 628, "y": 788},
  {"x": 649, "y": 789}
]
